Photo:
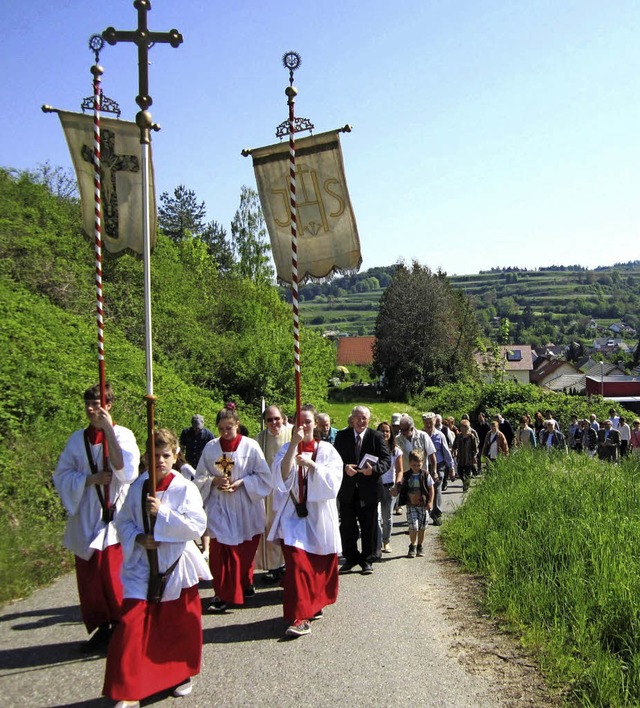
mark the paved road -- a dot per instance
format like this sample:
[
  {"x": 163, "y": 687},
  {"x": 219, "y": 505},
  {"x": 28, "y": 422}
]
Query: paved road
[{"x": 392, "y": 639}]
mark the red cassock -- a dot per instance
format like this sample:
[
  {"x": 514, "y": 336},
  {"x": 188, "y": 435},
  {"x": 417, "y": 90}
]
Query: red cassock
[
  {"x": 156, "y": 646},
  {"x": 309, "y": 584},
  {"x": 232, "y": 568},
  {"x": 99, "y": 587}
]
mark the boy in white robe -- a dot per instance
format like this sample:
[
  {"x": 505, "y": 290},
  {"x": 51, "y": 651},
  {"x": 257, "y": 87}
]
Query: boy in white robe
[
  {"x": 92, "y": 495},
  {"x": 158, "y": 644}
]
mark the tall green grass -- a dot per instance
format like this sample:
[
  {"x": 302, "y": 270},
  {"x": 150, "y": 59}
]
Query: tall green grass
[{"x": 557, "y": 540}]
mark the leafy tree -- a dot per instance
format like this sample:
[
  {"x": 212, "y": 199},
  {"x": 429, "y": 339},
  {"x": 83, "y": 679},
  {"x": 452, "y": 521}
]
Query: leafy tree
[
  {"x": 60, "y": 182},
  {"x": 180, "y": 215},
  {"x": 504, "y": 330},
  {"x": 425, "y": 331},
  {"x": 528, "y": 317},
  {"x": 249, "y": 235},
  {"x": 575, "y": 351}
]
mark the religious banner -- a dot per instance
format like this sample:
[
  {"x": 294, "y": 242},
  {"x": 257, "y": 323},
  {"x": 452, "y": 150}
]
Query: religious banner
[
  {"x": 327, "y": 234},
  {"x": 121, "y": 177}
]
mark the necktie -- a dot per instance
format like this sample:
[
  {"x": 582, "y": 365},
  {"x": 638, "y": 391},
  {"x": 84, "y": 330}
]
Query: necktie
[{"x": 358, "y": 446}]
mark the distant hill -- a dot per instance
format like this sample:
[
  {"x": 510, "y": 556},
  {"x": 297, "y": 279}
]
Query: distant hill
[{"x": 558, "y": 303}]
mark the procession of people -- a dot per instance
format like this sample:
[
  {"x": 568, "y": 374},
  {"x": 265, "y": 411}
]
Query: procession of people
[{"x": 292, "y": 502}]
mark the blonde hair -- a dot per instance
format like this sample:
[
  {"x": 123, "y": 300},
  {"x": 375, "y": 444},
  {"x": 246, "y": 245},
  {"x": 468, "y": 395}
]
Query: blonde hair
[{"x": 163, "y": 437}]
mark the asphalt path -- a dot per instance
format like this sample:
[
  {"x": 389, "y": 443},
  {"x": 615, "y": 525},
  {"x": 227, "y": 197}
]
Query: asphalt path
[{"x": 393, "y": 638}]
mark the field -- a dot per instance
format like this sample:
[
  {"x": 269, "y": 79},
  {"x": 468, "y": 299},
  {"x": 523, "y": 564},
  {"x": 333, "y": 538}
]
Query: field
[{"x": 554, "y": 305}]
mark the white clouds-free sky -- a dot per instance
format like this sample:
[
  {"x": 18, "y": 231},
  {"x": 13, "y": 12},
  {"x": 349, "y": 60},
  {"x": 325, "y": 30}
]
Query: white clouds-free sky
[{"x": 485, "y": 132}]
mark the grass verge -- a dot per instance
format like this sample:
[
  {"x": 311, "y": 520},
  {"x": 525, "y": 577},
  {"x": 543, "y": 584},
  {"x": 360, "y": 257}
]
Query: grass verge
[{"x": 557, "y": 540}]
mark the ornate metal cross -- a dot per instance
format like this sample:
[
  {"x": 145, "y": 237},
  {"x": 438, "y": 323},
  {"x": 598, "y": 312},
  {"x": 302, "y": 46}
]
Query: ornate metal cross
[
  {"x": 144, "y": 39},
  {"x": 225, "y": 465}
]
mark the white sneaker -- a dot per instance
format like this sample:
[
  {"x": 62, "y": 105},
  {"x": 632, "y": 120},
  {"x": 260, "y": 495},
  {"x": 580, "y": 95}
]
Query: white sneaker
[{"x": 184, "y": 689}]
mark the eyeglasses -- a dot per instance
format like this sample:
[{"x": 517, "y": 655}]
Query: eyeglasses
[
  {"x": 406, "y": 430},
  {"x": 273, "y": 420}
]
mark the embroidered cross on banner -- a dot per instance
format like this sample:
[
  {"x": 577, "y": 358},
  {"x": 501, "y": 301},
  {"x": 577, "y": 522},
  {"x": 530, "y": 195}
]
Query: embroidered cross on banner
[{"x": 110, "y": 164}]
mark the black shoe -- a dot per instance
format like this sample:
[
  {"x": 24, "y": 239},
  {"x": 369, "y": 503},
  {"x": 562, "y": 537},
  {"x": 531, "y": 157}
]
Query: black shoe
[
  {"x": 367, "y": 568},
  {"x": 98, "y": 642},
  {"x": 274, "y": 576},
  {"x": 217, "y": 606},
  {"x": 250, "y": 591},
  {"x": 346, "y": 568}
]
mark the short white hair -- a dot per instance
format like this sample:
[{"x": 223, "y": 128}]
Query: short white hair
[{"x": 361, "y": 409}]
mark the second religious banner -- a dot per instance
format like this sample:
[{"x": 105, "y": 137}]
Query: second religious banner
[{"x": 327, "y": 233}]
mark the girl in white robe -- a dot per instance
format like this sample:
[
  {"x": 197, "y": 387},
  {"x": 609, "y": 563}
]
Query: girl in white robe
[{"x": 233, "y": 478}]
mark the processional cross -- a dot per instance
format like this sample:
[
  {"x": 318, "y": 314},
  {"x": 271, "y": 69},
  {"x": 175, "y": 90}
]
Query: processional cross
[{"x": 144, "y": 39}]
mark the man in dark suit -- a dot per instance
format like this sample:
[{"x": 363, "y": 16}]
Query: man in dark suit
[
  {"x": 361, "y": 489},
  {"x": 608, "y": 442}
]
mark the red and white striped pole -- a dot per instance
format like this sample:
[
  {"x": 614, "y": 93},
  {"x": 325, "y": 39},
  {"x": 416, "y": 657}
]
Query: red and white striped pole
[
  {"x": 291, "y": 61},
  {"x": 97, "y": 71},
  {"x": 291, "y": 93}
]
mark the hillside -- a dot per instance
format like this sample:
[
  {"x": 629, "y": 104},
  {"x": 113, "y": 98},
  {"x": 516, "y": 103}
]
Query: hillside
[
  {"x": 216, "y": 337},
  {"x": 555, "y": 304}
]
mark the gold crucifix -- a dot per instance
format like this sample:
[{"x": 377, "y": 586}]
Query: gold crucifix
[{"x": 225, "y": 465}]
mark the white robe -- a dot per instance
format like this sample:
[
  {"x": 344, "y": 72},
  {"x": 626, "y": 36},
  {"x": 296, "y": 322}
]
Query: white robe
[
  {"x": 318, "y": 532},
  {"x": 180, "y": 522},
  {"x": 235, "y": 517},
  {"x": 85, "y": 530}
]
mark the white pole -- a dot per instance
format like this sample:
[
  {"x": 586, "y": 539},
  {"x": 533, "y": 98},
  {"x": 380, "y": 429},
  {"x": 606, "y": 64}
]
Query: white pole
[{"x": 146, "y": 254}]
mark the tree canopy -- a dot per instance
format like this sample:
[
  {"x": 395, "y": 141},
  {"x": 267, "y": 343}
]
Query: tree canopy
[
  {"x": 425, "y": 331},
  {"x": 249, "y": 235},
  {"x": 179, "y": 214}
]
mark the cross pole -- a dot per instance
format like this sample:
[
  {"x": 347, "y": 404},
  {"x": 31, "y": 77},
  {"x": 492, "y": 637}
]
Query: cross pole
[{"x": 143, "y": 38}]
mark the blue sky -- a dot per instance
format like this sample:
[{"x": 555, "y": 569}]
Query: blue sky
[{"x": 485, "y": 133}]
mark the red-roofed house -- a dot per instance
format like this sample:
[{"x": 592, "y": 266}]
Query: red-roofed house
[{"x": 355, "y": 350}]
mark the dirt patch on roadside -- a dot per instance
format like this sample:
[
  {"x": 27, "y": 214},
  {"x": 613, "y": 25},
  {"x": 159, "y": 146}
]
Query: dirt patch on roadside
[{"x": 482, "y": 647}]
